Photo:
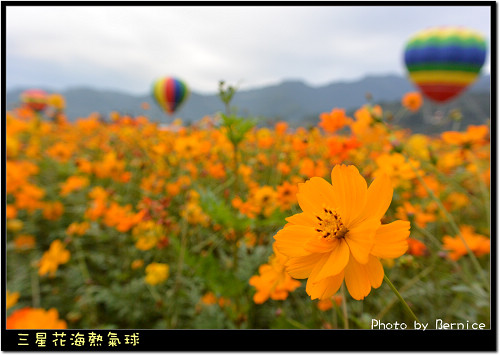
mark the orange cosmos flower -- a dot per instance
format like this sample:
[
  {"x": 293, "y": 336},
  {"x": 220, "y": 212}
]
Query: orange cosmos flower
[
  {"x": 76, "y": 228},
  {"x": 478, "y": 244},
  {"x": 136, "y": 264},
  {"x": 209, "y": 298},
  {"x": 53, "y": 210},
  {"x": 416, "y": 247},
  {"x": 10, "y": 211},
  {"x": 334, "y": 120},
  {"x": 339, "y": 235},
  {"x": 24, "y": 242},
  {"x": 12, "y": 298},
  {"x": 52, "y": 258},
  {"x": 273, "y": 282},
  {"x": 412, "y": 101},
  {"x": 35, "y": 318},
  {"x": 280, "y": 127},
  {"x": 286, "y": 195},
  {"x": 327, "y": 303},
  {"x": 73, "y": 183}
]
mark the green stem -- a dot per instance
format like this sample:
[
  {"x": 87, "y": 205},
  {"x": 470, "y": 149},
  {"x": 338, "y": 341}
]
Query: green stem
[
  {"x": 35, "y": 288},
  {"x": 404, "y": 288},
  {"x": 401, "y": 299},
  {"x": 295, "y": 323},
  {"x": 344, "y": 308},
  {"x": 182, "y": 251}
]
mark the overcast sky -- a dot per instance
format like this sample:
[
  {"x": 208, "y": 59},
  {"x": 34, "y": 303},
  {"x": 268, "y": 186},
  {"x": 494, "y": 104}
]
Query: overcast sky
[{"x": 127, "y": 48}]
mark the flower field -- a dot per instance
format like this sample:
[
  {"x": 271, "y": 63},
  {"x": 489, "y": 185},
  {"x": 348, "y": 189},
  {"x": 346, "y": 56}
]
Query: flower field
[{"x": 121, "y": 223}]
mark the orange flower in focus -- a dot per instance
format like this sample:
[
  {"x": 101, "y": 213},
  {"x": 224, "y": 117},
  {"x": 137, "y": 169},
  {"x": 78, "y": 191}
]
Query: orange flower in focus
[
  {"x": 416, "y": 247},
  {"x": 339, "y": 234},
  {"x": 477, "y": 243},
  {"x": 412, "y": 101},
  {"x": 334, "y": 120},
  {"x": 52, "y": 258},
  {"x": 35, "y": 318},
  {"x": 273, "y": 282}
]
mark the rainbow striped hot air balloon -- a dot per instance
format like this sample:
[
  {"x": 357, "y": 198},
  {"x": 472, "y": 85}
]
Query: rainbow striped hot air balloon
[
  {"x": 443, "y": 61},
  {"x": 170, "y": 93},
  {"x": 35, "y": 99}
]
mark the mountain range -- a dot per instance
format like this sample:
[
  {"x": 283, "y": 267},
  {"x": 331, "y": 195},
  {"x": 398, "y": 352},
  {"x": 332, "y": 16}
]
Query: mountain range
[{"x": 291, "y": 101}]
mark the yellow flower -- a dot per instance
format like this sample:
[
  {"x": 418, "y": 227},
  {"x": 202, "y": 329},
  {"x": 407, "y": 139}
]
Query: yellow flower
[
  {"x": 57, "y": 101},
  {"x": 339, "y": 234},
  {"x": 418, "y": 146},
  {"x": 147, "y": 234},
  {"x": 12, "y": 298},
  {"x": 156, "y": 273}
]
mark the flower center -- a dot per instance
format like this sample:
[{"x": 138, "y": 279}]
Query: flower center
[{"x": 330, "y": 225}]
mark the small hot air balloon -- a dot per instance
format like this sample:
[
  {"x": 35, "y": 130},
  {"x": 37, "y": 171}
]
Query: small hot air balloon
[
  {"x": 170, "y": 93},
  {"x": 444, "y": 61},
  {"x": 35, "y": 99}
]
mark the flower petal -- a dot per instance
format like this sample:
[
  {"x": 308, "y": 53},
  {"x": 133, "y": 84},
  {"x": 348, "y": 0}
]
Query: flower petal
[
  {"x": 361, "y": 238},
  {"x": 318, "y": 244},
  {"x": 304, "y": 219},
  {"x": 391, "y": 240},
  {"x": 356, "y": 279},
  {"x": 291, "y": 239},
  {"x": 378, "y": 199},
  {"x": 302, "y": 266},
  {"x": 349, "y": 189},
  {"x": 375, "y": 271},
  {"x": 339, "y": 256},
  {"x": 325, "y": 288},
  {"x": 317, "y": 268},
  {"x": 315, "y": 194}
]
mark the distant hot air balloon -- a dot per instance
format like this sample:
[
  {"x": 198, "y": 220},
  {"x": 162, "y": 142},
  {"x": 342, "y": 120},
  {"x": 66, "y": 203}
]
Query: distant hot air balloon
[
  {"x": 35, "y": 99},
  {"x": 444, "y": 61},
  {"x": 170, "y": 93}
]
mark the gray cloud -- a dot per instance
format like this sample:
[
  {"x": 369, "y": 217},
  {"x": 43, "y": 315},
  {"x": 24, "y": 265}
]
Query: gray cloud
[{"x": 126, "y": 48}]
